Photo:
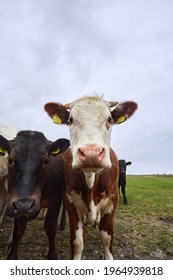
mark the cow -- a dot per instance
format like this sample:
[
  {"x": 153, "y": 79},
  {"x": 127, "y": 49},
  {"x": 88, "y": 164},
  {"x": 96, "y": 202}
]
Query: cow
[
  {"x": 35, "y": 180},
  {"x": 91, "y": 166},
  {"x": 122, "y": 178}
]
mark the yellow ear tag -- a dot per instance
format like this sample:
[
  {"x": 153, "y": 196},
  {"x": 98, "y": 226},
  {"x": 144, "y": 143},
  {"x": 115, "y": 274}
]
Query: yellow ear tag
[
  {"x": 120, "y": 120},
  {"x": 3, "y": 151},
  {"x": 56, "y": 119},
  {"x": 55, "y": 152}
]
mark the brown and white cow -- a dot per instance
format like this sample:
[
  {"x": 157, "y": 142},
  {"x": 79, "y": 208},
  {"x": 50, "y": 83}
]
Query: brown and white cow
[
  {"x": 35, "y": 180},
  {"x": 91, "y": 166}
]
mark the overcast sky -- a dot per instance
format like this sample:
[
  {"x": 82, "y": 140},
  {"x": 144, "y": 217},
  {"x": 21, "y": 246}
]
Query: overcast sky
[{"x": 59, "y": 50}]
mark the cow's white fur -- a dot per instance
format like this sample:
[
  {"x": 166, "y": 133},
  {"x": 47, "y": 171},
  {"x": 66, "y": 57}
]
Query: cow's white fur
[
  {"x": 92, "y": 212},
  {"x": 89, "y": 116},
  {"x": 78, "y": 242},
  {"x": 89, "y": 177},
  {"x": 78, "y": 202},
  {"x": 106, "y": 240}
]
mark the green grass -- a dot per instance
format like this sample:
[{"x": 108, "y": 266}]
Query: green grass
[
  {"x": 145, "y": 226},
  {"x": 150, "y": 194}
]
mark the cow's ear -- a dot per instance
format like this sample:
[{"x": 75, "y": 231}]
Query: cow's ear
[
  {"x": 123, "y": 111},
  {"x": 59, "y": 146},
  {"x": 57, "y": 112},
  {"x": 128, "y": 163},
  {"x": 4, "y": 145}
]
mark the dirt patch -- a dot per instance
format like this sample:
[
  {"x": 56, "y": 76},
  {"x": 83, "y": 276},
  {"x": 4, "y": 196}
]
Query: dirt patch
[
  {"x": 130, "y": 242},
  {"x": 167, "y": 219}
]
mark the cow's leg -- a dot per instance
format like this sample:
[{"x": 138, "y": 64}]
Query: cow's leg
[
  {"x": 124, "y": 194},
  {"x": 63, "y": 217},
  {"x": 18, "y": 231},
  {"x": 124, "y": 189},
  {"x": 76, "y": 232},
  {"x": 107, "y": 234},
  {"x": 50, "y": 226},
  {"x": 3, "y": 213},
  {"x": 77, "y": 241},
  {"x": 119, "y": 184}
]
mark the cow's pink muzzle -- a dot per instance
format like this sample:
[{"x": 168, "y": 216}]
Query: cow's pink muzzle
[{"x": 91, "y": 156}]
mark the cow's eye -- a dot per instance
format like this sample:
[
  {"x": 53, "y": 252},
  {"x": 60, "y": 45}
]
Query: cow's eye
[
  {"x": 46, "y": 161},
  {"x": 10, "y": 161},
  {"x": 70, "y": 121},
  {"x": 109, "y": 120}
]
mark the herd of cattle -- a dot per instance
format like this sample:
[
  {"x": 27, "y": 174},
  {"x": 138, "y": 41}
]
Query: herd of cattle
[{"x": 82, "y": 174}]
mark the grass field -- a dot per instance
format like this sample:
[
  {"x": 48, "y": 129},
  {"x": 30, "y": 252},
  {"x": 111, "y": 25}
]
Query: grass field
[
  {"x": 145, "y": 226},
  {"x": 143, "y": 229}
]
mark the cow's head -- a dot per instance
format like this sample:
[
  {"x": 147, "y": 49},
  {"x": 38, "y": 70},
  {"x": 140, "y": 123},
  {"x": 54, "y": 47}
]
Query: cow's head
[
  {"x": 28, "y": 158},
  {"x": 90, "y": 120}
]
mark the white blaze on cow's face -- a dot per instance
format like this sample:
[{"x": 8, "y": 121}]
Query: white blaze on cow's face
[{"x": 90, "y": 128}]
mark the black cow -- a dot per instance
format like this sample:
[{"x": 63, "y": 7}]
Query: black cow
[
  {"x": 122, "y": 178},
  {"x": 35, "y": 180}
]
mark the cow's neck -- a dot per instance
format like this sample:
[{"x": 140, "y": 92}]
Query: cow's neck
[{"x": 90, "y": 178}]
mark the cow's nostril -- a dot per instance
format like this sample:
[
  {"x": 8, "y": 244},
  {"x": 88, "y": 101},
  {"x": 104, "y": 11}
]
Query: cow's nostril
[
  {"x": 31, "y": 205},
  {"x": 100, "y": 152},
  {"x": 15, "y": 207},
  {"x": 23, "y": 206},
  {"x": 81, "y": 153}
]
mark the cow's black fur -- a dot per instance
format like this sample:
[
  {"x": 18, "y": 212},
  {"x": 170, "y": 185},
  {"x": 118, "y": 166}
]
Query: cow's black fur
[
  {"x": 122, "y": 178},
  {"x": 35, "y": 180}
]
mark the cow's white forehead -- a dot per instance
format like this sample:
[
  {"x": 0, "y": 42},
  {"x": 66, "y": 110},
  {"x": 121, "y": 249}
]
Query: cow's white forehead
[
  {"x": 90, "y": 110},
  {"x": 93, "y": 104},
  {"x": 88, "y": 100}
]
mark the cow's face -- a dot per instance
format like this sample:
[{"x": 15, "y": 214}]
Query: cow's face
[
  {"x": 28, "y": 158},
  {"x": 90, "y": 120},
  {"x": 90, "y": 125}
]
